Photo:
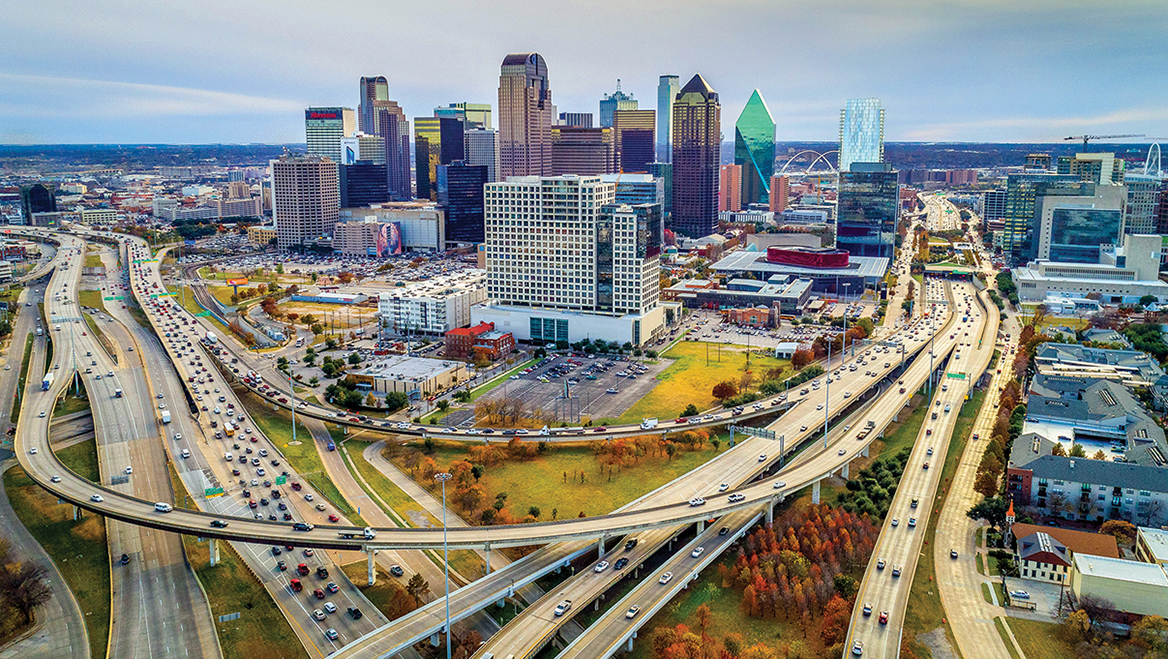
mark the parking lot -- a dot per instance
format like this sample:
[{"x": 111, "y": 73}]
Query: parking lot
[
  {"x": 761, "y": 338},
  {"x": 595, "y": 382}
]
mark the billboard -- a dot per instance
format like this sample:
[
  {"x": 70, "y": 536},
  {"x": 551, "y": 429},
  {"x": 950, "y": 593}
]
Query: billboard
[
  {"x": 237, "y": 282},
  {"x": 389, "y": 239},
  {"x": 318, "y": 114},
  {"x": 350, "y": 150}
]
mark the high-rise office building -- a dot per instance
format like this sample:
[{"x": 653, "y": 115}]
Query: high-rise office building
[
  {"x": 730, "y": 188},
  {"x": 476, "y": 115},
  {"x": 305, "y": 199},
  {"x": 565, "y": 263},
  {"x": 374, "y": 93},
  {"x": 525, "y": 116},
  {"x": 1144, "y": 195},
  {"x": 394, "y": 130},
  {"x": 37, "y": 198},
  {"x": 583, "y": 151},
  {"x": 370, "y": 148},
  {"x": 575, "y": 119},
  {"x": 667, "y": 88},
  {"x": 324, "y": 128},
  {"x": 664, "y": 172},
  {"x": 634, "y": 189},
  {"x": 363, "y": 183},
  {"x": 869, "y": 207},
  {"x": 617, "y": 100},
  {"x": 697, "y": 141},
  {"x": 460, "y": 193},
  {"x": 1072, "y": 222},
  {"x": 1016, "y": 236},
  {"x": 861, "y": 132},
  {"x": 1037, "y": 163},
  {"x": 1093, "y": 167},
  {"x": 437, "y": 141},
  {"x": 481, "y": 148},
  {"x": 633, "y": 136},
  {"x": 754, "y": 150},
  {"x": 780, "y": 192},
  {"x": 993, "y": 210}
]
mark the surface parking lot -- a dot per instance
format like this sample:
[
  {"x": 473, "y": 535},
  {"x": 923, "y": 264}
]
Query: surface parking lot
[
  {"x": 762, "y": 337},
  {"x": 609, "y": 395}
]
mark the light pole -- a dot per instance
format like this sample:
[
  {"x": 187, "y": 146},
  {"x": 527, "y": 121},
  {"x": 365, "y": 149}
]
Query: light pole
[
  {"x": 844, "y": 345},
  {"x": 442, "y": 478}
]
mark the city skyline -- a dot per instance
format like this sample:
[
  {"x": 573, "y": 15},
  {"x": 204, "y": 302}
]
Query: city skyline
[{"x": 139, "y": 91}]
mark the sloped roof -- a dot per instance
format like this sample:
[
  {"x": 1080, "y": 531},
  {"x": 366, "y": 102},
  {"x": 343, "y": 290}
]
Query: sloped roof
[
  {"x": 698, "y": 85},
  {"x": 1079, "y": 542}
]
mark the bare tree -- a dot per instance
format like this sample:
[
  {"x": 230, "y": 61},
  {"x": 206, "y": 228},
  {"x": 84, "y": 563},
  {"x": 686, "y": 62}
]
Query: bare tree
[{"x": 23, "y": 585}]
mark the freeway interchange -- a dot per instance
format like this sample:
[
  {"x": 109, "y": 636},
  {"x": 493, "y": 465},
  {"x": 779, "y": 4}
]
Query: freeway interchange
[{"x": 742, "y": 485}]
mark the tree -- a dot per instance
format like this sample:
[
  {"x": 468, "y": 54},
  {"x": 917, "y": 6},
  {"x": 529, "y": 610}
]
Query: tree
[
  {"x": 1147, "y": 299},
  {"x": 533, "y": 511},
  {"x": 724, "y": 390},
  {"x": 1121, "y": 529},
  {"x": 354, "y": 358},
  {"x": 1058, "y": 450},
  {"x": 690, "y": 410},
  {"x": 991, "y": 510},
  {"x": 443, "y": 405},
  {"x": 1077, "y": 451},
  {"x": 317, "y": 329},
  {"x": 24, "y": 586},
  {"x": 986, "y": 484},
  {"x": 1076, "y": 628},
  {"x": 279, "y": 268},
  {"x": 836, "y": 615},
  {"x": 846, "y": 586},
  {"x": 417, "y": 587},
  {"x": 395, "y": 400}
]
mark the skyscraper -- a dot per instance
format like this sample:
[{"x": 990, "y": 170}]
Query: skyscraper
[
  {"x": 861, "y": 132},
  {"x": 664, "y": 171},
  {"x": 363, "y": 183},
  {"x": 869, "y": 207},
  {"x": 437, "y": 141},
  {"x": 1017, "y": 234},
  {"x": 780, "y": 190},
  {"x": 37, "y": 198},
  {"x": 374, "y": 93},
  {"x": 697, "y": 135},
  {"x": 481, "y": 147},
  {"x": 305, "y": 199},
  {"x": 667, "y": 88},
  {"x": 618, "y": 100},
  {"x": 476, "y": 115},
  {"x": 394, "y": 130},
  {"x": 324, "y": 128},
  {"x": 575, "y": 119},
  {"x": 460, "y": 191},
  {"x": 754, "y": 150},
  {"x": 1073, "y": 223},
  {"x": 730, "y": 188},
  {"x": 583, "y": 151},
  {"x": 525, "y": 116},
  {"x": 1095, "y": 167},
  {"x": 633, "y": 136}
]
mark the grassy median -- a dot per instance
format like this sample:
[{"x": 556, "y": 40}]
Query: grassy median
[
  {"x": 78, "y": 548},
  {"x": 22, "y": 381}
]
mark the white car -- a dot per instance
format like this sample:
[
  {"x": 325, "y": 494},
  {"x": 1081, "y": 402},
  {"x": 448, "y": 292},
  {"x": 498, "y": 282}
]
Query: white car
[
  {"x": 32, "y": 451},
  {"x": 698, "y": 551},
  {"x": 55, "y": 479},
  {"x": 96, "y": 498},
  {"x": 723, "y": 487},
  {"x": 42, "y": 414},
  {"x": 762, "y": 458},
  {"x": 780, "y": 484},
  {"x": 129, "y": 469},
  {"x": 665, "y": 578},
  {"x": 697, "y": 501},
  {"x": 601, "y": 566}
]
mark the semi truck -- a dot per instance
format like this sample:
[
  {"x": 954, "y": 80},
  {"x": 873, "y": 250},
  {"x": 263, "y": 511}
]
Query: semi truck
[
  {"x": 48, "y": 381},
  {"x": 648, "y": 424},
  {"x": 166, "y": 416},
  {"x": 368, "y": 533}
]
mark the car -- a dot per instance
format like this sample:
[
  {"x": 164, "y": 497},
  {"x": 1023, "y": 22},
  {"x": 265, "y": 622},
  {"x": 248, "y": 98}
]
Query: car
[
  {"x": 762, "y": 458},
  {"x": 296, "y": 585},
  {"x": 396, "y": 570},
  {"x": 620, "y": 564},
  {"x": 697, "y": 501},
  {"x": 332, "y": 517},
  {"x": 322, "y": 572},
  {"x": 929, "y": 451},
  {"x": 329, "y": 607},
  {"x": 884, "y": 617},
  {"x": 276, "y": 551},
  {"x": 281, "y": 566},
  {"x": 723, "y": 487},
  {"x": 896, "y": 521},
  {"x": 307, "y": 497},
  {"x": 42, "y": 414},
  {"x": 219, "y": 523},
  {"x": 96, "y": 498},
  {"x": 912, "y": 522},
  {"x": 632, "y": 612},
  {"x": 321, "y": 507},
  {"x": 925, "y": 465},
  {"x": 665, "y": 578},
  {"x": 309, "y": 552},
  {"x": 915, "y": 503},
  {"x": 318, "y": 594},
  {"x": 724, "y": 530},
  {"x": 331, "y": 634},
  {"x": 842, "y": 451},
  {"x": 737, "y": 496},
  {"x": 355, "y": 612},
  {"x": 896, "y": 570},
  {"x": 318, "y": 614},
  {"x": 332, "y": 587},
  {"x": 601, "y": 566},
  {"x": 858, "y": 648},
  {"x": 55, "y": 479},
  {"x": 952, "y": 553},
  {"x": 698, "y": 551},
  {"x": 867, "y": 608},
  {"x": 562, "y": 608},
  {"x": 1019, "y": 594},
  {"x": 880, "y": 564}
]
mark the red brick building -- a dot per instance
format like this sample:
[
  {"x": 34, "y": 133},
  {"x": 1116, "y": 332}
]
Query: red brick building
[
  {"x": 494, "y": 345},
  {"x": 469, "y": 342}
]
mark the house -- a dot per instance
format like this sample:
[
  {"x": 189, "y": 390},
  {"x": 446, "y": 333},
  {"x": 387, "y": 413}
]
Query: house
[
  {"x": 460, "y": 341},
  {"x": 1045, "y": 553}
]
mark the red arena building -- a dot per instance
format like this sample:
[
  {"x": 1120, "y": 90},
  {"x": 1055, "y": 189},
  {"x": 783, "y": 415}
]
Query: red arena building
[{"x": 807, "y": 257}]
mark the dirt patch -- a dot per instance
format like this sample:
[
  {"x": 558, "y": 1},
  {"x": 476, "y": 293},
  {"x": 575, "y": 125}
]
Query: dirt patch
[
  {"x": 420, "y": 519},
  {"x": 938, "y": 644}
]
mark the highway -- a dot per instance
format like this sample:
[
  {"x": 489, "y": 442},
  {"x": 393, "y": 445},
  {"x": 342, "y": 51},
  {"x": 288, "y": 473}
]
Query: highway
[{"x": 878, "y": 617}]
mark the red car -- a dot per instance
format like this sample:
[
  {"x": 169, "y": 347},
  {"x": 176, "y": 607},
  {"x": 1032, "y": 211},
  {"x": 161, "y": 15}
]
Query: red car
[
  {"x": 251, "y": 504},
  {"x": 318, "y": 593},
  {"x": 334, "y": 518},
  {"x": 302, "y": 569},
  {"x": 295, "y": 486},
  {"x": 296, "y": 585},
  {"x": 884, "y": 617}
]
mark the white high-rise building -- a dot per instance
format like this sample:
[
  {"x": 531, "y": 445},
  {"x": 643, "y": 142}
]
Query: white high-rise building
[
  {"x": 565, "y": 263},
  {"x": 481, "y": 147},
  {"x": 435, "y": 306},
  {"x": 861, "y": 132},
  {"x": 324, "y": 128}
]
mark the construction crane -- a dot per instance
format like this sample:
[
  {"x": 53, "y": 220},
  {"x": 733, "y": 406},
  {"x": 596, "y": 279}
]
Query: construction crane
[{"x": 1088, "y": 138}]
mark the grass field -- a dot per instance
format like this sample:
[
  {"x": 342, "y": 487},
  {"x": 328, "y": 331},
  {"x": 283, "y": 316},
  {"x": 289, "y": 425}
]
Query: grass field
[
  {"x": 23, "y": 379},
  {"x": 93, "y": 261},
  {"x": 540, "y": 481},
  {"x": 192, "y": 306},
  {"x": 78, "y": 549},
  {"x": 91, "y": 299},
  {"x": 691, "y": 380},
  {"x": 924, "y": 612},
  {"x": 1000, "y": 625},
  {"x": 72, "y": 402},
  {"x": 1038, "y": 639},
  {"x": 231, "y": 587}
]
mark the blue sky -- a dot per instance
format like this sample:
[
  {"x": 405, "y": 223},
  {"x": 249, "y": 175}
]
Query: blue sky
[{"x": 131, "y": 71}]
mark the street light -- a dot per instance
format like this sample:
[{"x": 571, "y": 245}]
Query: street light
[{"x": 442, "y": 478}]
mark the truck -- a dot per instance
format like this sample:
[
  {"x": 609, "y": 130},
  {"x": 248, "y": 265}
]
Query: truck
[
  {"x": 48, "y": 381},
  {"x": 368, "y": 533},
  {"x": 166, "y": 416},
  {"x": 648, "y": 424},
  {"x": 211, "y": 338}
]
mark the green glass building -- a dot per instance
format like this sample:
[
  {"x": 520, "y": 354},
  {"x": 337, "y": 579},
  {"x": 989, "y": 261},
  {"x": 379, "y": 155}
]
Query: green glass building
[{"x": 754, "y": 150}]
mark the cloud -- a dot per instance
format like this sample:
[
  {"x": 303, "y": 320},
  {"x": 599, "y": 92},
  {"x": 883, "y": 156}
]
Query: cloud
[{"x": 1042, "y": 128}]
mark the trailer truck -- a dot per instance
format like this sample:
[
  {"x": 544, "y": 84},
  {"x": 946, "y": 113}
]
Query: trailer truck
[
  {"x": 48, "y": 381},
  {"x": 166, "y": 416}
]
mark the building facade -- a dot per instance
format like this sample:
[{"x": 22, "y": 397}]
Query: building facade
[
  {"x": 618, "y": 100},
  {"x": 460, "y": 192},
  {"x": 481, "y": 149},
  {"x": 868, "y": 210},
  {"x": 576, "y": 119},
  {"x": 525, "y": 116},
  {"x": 373, "y": 91},
  {"x": 306, "y": 199},
  {"x": 325, "y": 127},
  {"x": 437, "y": 141},
  {"x": 419, "y": 225},
  {"x": 1144, "y": 193},
  {"x": 697, "y": 135},
  {"x": 730, "y": 188},
  {"x": 861, "y": 132},
  {"x": 633, "y": 189},
  {"x": 667, "y": 88},
  {"x": 1022, "y": 190},
  {"x": 582, "y": 151},
  {"x": 432, "y": 307},
  {"x": 1099, "y": 167},
  {"x": 754, "y": 150},
  {"x": 779, "y": 193},
  {"x": 363, "y": 183},
  {"x": 633, "y": 138}
]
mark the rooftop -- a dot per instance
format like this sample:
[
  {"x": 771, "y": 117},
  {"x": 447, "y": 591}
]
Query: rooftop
[
  {"x": 1079, "y": 542},
  {"x": 401, "y": 367},
  {"x": 1044, "y": 548},
  {"x": 1156, "y": 540},
  {"x": 1121, "y": 570},
  {"x": 744, "y": 261}
]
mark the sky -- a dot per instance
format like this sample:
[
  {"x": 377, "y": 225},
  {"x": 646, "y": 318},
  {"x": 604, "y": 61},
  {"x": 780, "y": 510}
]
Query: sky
[{"x": 131, "y": 71}]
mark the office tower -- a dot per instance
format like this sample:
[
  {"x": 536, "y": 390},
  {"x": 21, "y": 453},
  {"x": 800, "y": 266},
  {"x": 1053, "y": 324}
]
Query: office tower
[
  {"x": 633, "y": 136},
  {"x": 575, "y": 119},
  {"x": 374, "y": 92},
  {"x": 583, "y": 151},
  {"x": 564, "y": 262},
  {"x": 324, "y": 128},
  {"x": 481, "y": 147},
  {"x": 869, "y": 204},
  {"x": 1074, "y": 221},
  {"x": 394, "y": 130},
  {"x": 667, "y": 88},
  {"x": 993, "y": 210},
  {"x": 1016, "y": 236},
  {"x": 305, "y": 199},
  {"x": 460, "y": 192},
  {"x": 1144, "y": 192},
  {"x": 780, "y": 191},
  {"x": 697, "y": 136},
  {"x": 664, "y": 172},
  {"x": 1093, "y": 167},
  {"x": 234, "y": 175},
  {"x": 754, "y": 150},
  {"x": 525, "y": 116},
  {"x": 634, "y": 189},
  {"x": 618, "y": 100},
  {"x": 363, "y": 183},
  {"x": 861, "y": 132},
  {"x": 238, "y": 190},
  {"x": 730, "y": 188},
  {"x": 476, "y": 115},
  {"x": 37, "y": 198},
  {"x": 1037, "y": 163},
  {"x": 363, "y": 147},
  {"x": 437, "y": 141}
]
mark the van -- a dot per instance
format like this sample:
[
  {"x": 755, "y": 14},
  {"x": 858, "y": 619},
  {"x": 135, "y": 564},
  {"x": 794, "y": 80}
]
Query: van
[{"x": 163, "y": 507}]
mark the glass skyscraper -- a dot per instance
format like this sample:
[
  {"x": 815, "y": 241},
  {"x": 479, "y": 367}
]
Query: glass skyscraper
[
  {"x": 618, "y": 100},
  {"x": 437, "y": 141},
  {"x": 1018, "y": 219},
  {"x": 633, "y": 134},
  {"x": 667, "y": 88},
  {"x": 664, "y": 172},
  {"x": 754, "y": 150},
  {"x": 525, "y": 116},
  {"x": 324, "y": 128},
  {"x": 374, "y": 94},
  {"x": 460, "y": 191},
  {"x": 869, "y": 203},
  {"x": 861, "y": 132},
  {"x": 363, "y": 183},
  {"x": 1077, "y": 233},
  {"x": 697, "y": 141}
]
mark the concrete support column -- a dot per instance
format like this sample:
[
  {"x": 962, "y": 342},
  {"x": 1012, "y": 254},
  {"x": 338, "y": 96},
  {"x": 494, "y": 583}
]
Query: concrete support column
[
  {"x": 214, "y": 551},
  {"x": 771, "y": 513},
  {"x": 864, "y": 452},
  {"x": 370, "y": 567},
  {"x": 630, "y": 645},
  {"x": 488, "y": 560},
  {"x": 844, "y": 470},
  {"x": 502, "y": 601},
  {"x": 815, "y": 492},
  {"x": 701, "y": 526},
  {"x": 76, "y": 513},
  {"x": 596, "y": 604},
  {"x": 434, "y": 640},
  {"x": 600, "y": 547}
]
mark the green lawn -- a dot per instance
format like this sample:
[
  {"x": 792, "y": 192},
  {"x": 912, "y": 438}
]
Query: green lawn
[
  {"x": 91, "y": 299},
  {"x": 23, "y": 379},
  {"x": 277, "y": 426},
  {"x": 232, "y": 588},
  {"x": 985, "y": 591},
  {"x": 1000, "y": 625},
  {"x": 1039, "y": 640},
  {"x": 193, "y": 307},
  {"x": 540, "y": 481},
  {"x": 1000, "y": 591},
  {"x": 78, "y": 549},
  {"x": 93, "y": 261},
  {"x": 980, "y": 561},
  {"x": 388, "y": 595},
  {"x": 72, "y": 402},
  {"x": 690, "y": 379}
]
